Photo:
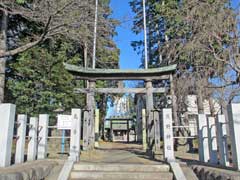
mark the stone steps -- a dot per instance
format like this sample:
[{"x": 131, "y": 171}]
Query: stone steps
[
  {"x": 121, "y": 167},
  {"x": 107, "y": 171}
]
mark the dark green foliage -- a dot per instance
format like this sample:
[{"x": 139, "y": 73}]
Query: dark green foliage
[
  {"x": 36, "y": 79},
  {"x": 40, "y": 84}
]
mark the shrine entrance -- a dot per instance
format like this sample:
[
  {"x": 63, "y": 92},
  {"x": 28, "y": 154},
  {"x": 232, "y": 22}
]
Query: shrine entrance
[
  {"x": 150, "y": 135},
  {"x": 120, "y": 129}
]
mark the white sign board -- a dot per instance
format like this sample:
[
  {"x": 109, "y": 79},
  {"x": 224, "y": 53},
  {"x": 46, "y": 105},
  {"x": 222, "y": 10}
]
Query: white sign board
[{"x": 64, "y": 121}]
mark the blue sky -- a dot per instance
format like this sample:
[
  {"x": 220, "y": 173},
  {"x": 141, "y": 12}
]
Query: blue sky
[{"x": 129, "y": 59}]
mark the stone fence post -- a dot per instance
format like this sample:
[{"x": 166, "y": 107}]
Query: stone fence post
[
  {"x": 43, "y": 136},
  {"x": 144, "y": 129},
  {"x": 21, "y": 138},
  {"x": 222, "y": 140},
  {"x": 33, "y": 140},
  {"x": 7, "y": 118},
  {"x": 85, "y": 130},
  {"x": 75, "y": 135},
  {"x": 234, "y": 126},
  {"x": 212, "y": 140},
  {"x": 203, "y": 146}
]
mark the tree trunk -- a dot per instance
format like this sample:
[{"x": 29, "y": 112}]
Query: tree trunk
[
  {"x": 3, "y": 48},
  {"x": 159, "y": 45},
  {"x": 174, "y": 102},
  {"x": 200, "y": 99},
  {"x": 212, "y": 106},
  {"x": 85, "y": 51}
]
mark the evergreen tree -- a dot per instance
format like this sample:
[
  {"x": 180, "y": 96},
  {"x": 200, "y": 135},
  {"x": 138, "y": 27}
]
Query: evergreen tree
[
  {"x": 202, "y": 37},
  {"x": 39, "y": 83}
]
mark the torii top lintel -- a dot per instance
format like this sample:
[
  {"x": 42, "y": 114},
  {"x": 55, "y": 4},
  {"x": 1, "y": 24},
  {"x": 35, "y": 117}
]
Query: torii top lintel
[{"x": 119, "y": 74}]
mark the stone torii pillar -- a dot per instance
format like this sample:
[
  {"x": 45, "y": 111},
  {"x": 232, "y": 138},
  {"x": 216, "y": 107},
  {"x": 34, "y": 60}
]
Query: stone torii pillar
[
  {"x": 91, "y": 108},
  {"x": 149, "y": 108}
]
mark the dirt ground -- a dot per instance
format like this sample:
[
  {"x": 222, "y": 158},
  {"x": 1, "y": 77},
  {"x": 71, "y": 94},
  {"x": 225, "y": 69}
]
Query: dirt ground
[{"x": 128, "y": 153}]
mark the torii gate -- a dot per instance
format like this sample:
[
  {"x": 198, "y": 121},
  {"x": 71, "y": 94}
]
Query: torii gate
[{"x": 148, "y": 75}]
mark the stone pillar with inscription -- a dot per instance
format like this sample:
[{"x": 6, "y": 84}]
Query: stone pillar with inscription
[
  {"x": 75, "y": 135},
  {"x": 168, "y": 135}
]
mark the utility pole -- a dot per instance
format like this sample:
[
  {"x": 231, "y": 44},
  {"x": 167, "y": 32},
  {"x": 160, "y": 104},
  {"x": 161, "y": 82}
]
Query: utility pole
[
  {"x": 145, "y": 35},
  {"x": 95, "y": 35}
]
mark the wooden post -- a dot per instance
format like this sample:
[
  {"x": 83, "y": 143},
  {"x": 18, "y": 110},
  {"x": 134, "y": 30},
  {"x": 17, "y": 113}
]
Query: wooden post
[
  {"x": 75, "y": 135},
  {"x": 149, "y": 108},
  {"x": 203, "y": 148},
  {"x": 32, "y": 144},
  {"x": 111, "y": 131},
  {"x": 139, "y": 122},
  {"x": 168, "y": 135},
  {"x": 85, "y": 130},
  {"x": 222, "y": 140},
  {"x": 7, "y": 112},
  {"x": 21, "y": 137},
  {"x": 144, "y": 132},
  {"x": 174, "y": 102},
  {"x": 174, "y": 109},
  {"x": 43, "y": 135},
  {"x": 97, "y": 127},
  {"x": 127, "y": 130},
  {"x": 212, "y": 140},
  {"x": 157, "y": 131},
  {"x": 234, "y": 126}
]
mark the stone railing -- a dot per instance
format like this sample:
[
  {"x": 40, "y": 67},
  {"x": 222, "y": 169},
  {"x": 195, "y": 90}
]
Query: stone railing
[
  {"x": 36, "y": 136},
  {"x": 215, "y": 135}
]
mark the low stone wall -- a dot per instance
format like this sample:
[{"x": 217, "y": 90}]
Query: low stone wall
[
  {"x": 36, "y": 170},
  {"x": 215, "y": 173}
]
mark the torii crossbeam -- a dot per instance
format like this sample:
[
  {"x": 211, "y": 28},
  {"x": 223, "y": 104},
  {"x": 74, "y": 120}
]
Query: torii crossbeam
[{"x": 119, "y": 74}]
